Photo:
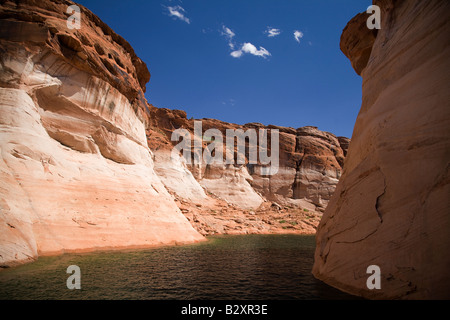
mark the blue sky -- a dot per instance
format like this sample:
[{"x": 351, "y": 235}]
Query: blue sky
[{"x": 269, "y": 61}]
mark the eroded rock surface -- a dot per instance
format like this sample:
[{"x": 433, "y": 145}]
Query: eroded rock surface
[
  {"x": 310, "y": 163},
  {"x": 391, "y": 206},
  {"x": 76, "y": 171},
  {"x": 86, "y": 161}
]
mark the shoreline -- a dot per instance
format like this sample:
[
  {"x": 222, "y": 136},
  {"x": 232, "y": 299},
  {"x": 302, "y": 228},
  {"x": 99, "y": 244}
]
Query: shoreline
[
  {"x": 105, "y": 249},
  {"x": 124, "y": 249}
]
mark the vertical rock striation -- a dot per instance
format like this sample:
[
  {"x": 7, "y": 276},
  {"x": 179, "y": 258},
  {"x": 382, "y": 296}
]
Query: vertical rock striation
[
  {"x": 310, "y": 163},
  {"x": 391, "y": 206}
]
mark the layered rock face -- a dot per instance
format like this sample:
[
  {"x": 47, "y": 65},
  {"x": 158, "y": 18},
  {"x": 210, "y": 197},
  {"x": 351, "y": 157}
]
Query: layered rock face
[
  {"x": 391, "y": 206},
  {"x": 238, "y": 199},
  {"x": 76, "y": 170},
  {"x": 310, "y": 163},
  {"x": 87, "y": 163}
]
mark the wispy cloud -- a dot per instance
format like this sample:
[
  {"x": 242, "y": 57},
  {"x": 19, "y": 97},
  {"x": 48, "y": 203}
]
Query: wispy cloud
[
  {"x": 237, "y": 53},
  {"x": 272, "y": 32},
  {"x": 229, "y": 34},
  {"x": 247, "y": 47},
  {"x": 251, "y": 49},
  {"x": 298, "y": 35},
  {"x": 229, "y": 102},
  {"x": 179, "y": 13}
]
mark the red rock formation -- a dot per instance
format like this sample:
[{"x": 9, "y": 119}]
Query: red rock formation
[
  {"x": 358, "y": 47},
  {"x": 310, "y": 162},
  {"x": 75, "y": 132},
  {"x": 76, "y": 170},
  {"x": 391, "y": 206}
]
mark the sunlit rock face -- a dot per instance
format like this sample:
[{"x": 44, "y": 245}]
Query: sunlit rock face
[
  {"x": 87, "y": 163},
  {"x": 391, "y": 206},
  {"x": 76, "y": 170},
  {"x": 309, "y": 162}
]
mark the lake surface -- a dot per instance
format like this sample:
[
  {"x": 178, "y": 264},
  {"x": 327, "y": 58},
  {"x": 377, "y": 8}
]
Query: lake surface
[{"x": 256, "y": 267}]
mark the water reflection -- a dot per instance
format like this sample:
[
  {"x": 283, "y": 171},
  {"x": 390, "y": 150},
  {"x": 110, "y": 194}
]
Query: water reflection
[{"x": 266, "y": 267}]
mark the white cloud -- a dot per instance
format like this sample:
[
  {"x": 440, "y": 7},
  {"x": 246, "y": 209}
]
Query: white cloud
[
  {"x": 272, "y": 32},
  {"x": 247, "y": 47},
  {"x": 229, "y": 34},
  {"x": 251, "y": 49},
  {"x": 237, "y": 54},
  {"x": 179, "y": 13},
  {"x": 298, "y": 35}
]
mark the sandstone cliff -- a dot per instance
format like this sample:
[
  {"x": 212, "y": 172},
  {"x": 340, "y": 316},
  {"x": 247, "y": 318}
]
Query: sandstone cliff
[
  {"x": 310, "y": 164},
  {"x": 391, "y": 206},
  {"x": 76, "y": 170},
  {"x": 86, "y": 161}
]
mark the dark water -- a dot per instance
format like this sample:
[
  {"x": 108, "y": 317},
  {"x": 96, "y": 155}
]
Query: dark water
[{"x": 255, "y": 267}]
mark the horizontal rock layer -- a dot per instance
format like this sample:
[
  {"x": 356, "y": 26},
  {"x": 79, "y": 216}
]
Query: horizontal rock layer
[
  {"x": 87, "y": 162},
  {"x": 76, "y": 170},
  {"x": 310, "y": 162}
]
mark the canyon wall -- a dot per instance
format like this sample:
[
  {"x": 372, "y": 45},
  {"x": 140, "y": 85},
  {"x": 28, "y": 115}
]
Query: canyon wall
[
  {"x": 76, "y": 170},
  {"x": 310, "y": 163},
  {"x": 86, "y": 162},
  {"x": 391, "y": 206}
]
